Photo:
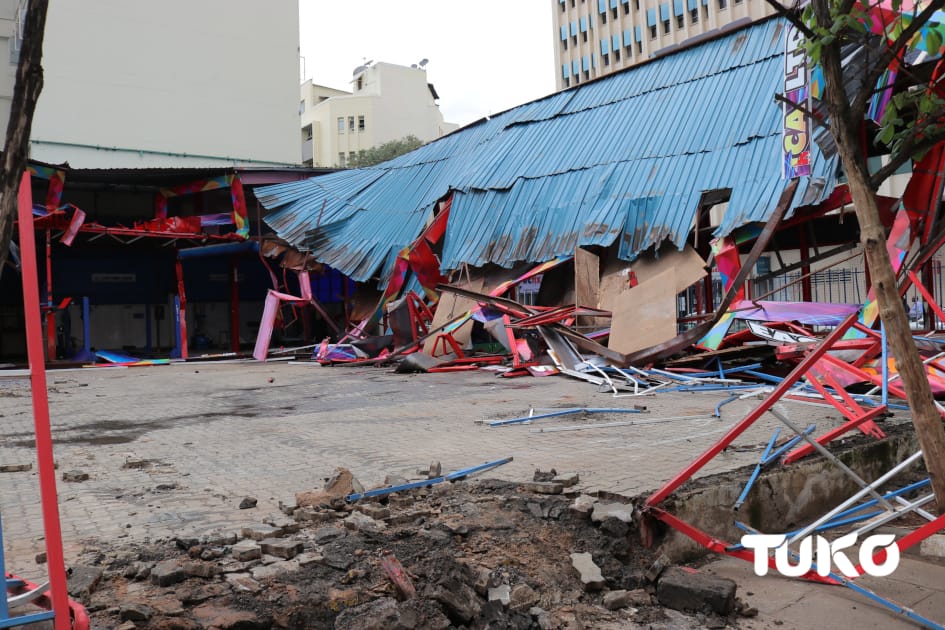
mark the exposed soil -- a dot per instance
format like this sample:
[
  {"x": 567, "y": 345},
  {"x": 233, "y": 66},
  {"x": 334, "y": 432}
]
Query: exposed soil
[{"x": 460, "y": 544}]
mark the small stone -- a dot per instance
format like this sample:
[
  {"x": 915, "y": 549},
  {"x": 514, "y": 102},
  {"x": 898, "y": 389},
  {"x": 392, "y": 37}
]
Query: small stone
[
  {"x": 358, "y": 521},
  {"x": 246, "y": 550},
  {"x": 616, "y": 599},
  {"x": 75, "y": 476},
  {"x": 128, "y": 625},
  {"x": 590, "y": 574},
  {"x": 544, "y": 476},
  {"x": 567, "y": 479},
  {"x": 243, "y": 582},
  {"x": 134, "y": 612},
  {"x": 203, "y": 570},
  {"x": 638, "y": 597},
  {"x": 394, "y": 480},
  {"x": 583, "y": 504},
  {"x": 501, "y": 593},
  {"x": 522, "y": 597},
  {"x": 308, "y": 559},
  {"x": 314, "y": 515},
  {"x": 272, "y": 570},
  {"x": 621, "y": 511},
  {"x": 339, "y": 599},
  {"x": 337, "y": 559},
  {"x": 543, "y": 487},
  {"x": 281, "y": 547},
  {"x": 248, "y": 502},
  {"x": 436, "y": 469},
  {"x": 167, "y": 572},
  {"x": 83, "y": 581},
  {"x": 40, "y": 558},
  {"x": 260, "y": 532}
]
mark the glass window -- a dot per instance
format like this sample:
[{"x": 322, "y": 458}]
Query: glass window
[
  {"x": 302, "y": 106},
  {"x": 351, "y": 124},
  {"x": 341, "y": 125},
  {"x": 341, "y": 159},
  {"x": 360, "y": 123},
  {"x": 665, "y": 26}
]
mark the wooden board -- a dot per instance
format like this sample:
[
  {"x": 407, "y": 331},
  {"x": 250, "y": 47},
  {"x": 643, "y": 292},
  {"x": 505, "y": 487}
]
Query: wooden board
[
  {"x": 450, "y": 307},
  {"x": 645, "y": 315},
  {"x": 687, "y": 264},
  {"x": 587, "y": 285}
]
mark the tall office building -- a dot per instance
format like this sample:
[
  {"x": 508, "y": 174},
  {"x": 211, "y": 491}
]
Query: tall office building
[{"x": 596, "y": 37}]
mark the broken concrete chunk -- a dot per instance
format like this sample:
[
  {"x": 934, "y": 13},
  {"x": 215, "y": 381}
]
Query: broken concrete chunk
[
  {"x": 459, "y": 600},
  {"x": 358, "y": 521},
  {"x": 167, "y": 572},
  {"x": 83, "y": 581},
  {"x": 436, "y": 469},
  {"x": 590, "y": 574},
  {"x": 199, "y": 569},
  {"x": 248, "y": 502},
  {"x": 501, "y": 593},
  {"x": 260, "y": 532},
  {"x": 75, "y": 476},
  {"x": 583, "y": 504},
  {"x": 567, "y": 479},
  {"x": 337, "y": 487},
  {"x": 246, "y": 550},
  {"x": 621, "y": 511},
  {"x": 374, "y": 510},
  {"x": 327, "y": 534},
  {"x": 544, "y": 476},
  {"x": 288, "y": 505},
  {"x": 134, "y": 612},
  {"x": 6, "y": 468},
  {"x": 243, "y": 582},
  {"x": 281, "y": 547},
  {"x": 543, "y": 487},
  {"x": 685, "y": 590}
]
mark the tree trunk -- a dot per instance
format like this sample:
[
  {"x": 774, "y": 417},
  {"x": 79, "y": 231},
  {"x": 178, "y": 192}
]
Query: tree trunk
[
  {"x": 925, "y": 415},
  {"x": 29, "y": 83}
]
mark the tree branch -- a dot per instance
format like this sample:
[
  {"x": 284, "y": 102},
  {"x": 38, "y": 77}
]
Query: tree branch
[
  {"x": 790, "y": 14},
  {"x": 860, "y": 102},
  {"x": 817, "y": 119},
  {"x": 912, "y": 146}
]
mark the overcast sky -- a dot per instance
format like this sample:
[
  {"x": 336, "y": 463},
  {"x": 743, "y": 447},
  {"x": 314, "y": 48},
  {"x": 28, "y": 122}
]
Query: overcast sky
[{"x": 485, "y": 56}]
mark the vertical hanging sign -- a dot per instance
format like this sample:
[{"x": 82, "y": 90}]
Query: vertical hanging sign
[{"x": 795, "y": 157}]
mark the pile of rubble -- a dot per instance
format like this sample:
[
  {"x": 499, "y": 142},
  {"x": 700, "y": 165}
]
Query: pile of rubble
[{"x": 484, "y": 554}]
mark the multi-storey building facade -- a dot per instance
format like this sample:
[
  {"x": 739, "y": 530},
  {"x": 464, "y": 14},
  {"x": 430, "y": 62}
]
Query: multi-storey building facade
[
  {"x": 595, "y": 37},
  {"x": 388, "y": 102}
]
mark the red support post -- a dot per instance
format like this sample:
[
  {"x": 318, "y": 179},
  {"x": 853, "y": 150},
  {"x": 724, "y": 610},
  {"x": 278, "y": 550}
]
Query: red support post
[
  {"x": 50, "y": 308},
  {"x": 44, "y": 448},
  {"x": 182, "y": 309},
  {"x": 806, "y": 292}
]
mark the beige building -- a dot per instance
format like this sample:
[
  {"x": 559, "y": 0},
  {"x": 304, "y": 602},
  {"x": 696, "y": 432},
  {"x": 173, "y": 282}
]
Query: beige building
[
  {"x": 387, "y": 102},
  {"x": 177, "y": 83},
  {"x": 596, "y": 37}
]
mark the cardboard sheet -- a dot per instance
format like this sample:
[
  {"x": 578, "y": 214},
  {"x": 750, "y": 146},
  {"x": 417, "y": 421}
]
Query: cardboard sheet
[
  {"x": 645, "y": 315},
  {"x": 687, "y": 264},
  {"x": 450, "y": 307}
]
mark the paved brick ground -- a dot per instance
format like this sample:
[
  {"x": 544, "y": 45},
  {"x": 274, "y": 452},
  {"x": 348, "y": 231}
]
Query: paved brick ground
[{"x": 214, "y": 433}]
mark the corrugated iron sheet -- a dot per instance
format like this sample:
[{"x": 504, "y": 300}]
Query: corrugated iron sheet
[{"x": 622, "y": 159}]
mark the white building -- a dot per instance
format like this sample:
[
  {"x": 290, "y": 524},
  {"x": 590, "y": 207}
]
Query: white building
[
  {"x": 388, "y": 102},
  {"x": 175, "y": 83},
  {"x": 595, "y": 37}
]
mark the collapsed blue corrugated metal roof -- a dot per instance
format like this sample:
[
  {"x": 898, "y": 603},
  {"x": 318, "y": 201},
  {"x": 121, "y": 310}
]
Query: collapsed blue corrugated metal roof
[{"x": 624, "y": 158}]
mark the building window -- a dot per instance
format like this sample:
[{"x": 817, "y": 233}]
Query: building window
[
  {"x": 603, "y": 18},
  {"x": 563, "y": 8},
  {"x": 564, "y": 44},
  {"x": 572, "y": 4},
  {"x": 351, "y": 124},
  {"x": 341, "y": 125},
  {"x": 341, "y": 160},
  {"x": 639, "y": 48},
  {"x": 606, "y": 58},
  {"x": 584, "y": 35},
  {"x": 577, "y": 79},
  {"x": 360, "y": 83},
  {"x": 652, "y": 32},
  {"x": 665, "y": 26},
  {"x": 680, "y": 21},
  {"x": 302, "y": 106},
  {"x": 360, "y": 124},
  {"x": 587, "y": 75},
  {"x": 626, "y": 7},
  {"x": 616, "y": 54},
  {"x": 614, "y": 12},
  {"x": 722, "y": 4},
  {"x": 351, "y": 157},
  {"x": 567, "y": 82},
  {"x": 694, "y": 16}
]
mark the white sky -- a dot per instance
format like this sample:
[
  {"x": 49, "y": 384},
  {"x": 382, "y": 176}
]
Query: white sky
[{"x": 485, "y": 55}]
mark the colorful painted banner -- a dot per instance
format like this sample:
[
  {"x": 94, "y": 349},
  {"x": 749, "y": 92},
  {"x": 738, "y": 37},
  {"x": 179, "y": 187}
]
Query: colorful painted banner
[
  {"x": 240, "y": 215},
  {"x": 796, "y": 128}
]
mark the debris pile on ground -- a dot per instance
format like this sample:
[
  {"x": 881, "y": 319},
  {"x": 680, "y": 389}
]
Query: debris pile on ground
[{"x": 463, "y": 554}]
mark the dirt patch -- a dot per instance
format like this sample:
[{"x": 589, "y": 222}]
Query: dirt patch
[{"x": 474, "y": 555}]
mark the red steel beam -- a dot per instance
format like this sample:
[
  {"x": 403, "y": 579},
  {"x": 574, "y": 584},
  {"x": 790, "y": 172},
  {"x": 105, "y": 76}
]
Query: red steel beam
[
  {"x": 753, "y": 416},
  {"x": 44, "y": 446}
]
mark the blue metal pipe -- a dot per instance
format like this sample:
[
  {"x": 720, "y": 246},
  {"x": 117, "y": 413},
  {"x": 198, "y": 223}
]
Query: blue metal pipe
[
  {"x": 757, "y": 470},
  {"x": 225, "y": 249},
  {"x": 453, "y": 476}
]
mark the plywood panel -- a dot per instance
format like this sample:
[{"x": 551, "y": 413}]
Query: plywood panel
[
  {"x": 450, "y": 307},
  {"x": 645, "y": 315},
  {"x": 587, "y": 285}
]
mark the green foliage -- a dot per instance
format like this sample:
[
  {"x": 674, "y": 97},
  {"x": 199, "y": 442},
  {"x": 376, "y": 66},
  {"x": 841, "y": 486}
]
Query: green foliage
[
  {"x": 917, "y": 112},
  {"x": 386, "y": 151}
]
